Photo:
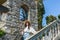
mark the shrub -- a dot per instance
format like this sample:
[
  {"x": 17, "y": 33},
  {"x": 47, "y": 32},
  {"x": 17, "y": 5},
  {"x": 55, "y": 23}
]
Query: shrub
[{"x": 2, "y": 33}]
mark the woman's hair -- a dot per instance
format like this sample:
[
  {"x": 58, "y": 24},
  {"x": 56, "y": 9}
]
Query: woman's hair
[{"x": 28, "y": 23}]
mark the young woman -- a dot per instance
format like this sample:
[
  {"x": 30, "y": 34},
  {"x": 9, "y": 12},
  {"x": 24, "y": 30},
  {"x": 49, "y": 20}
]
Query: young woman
[{"x": 28, "y": 30}]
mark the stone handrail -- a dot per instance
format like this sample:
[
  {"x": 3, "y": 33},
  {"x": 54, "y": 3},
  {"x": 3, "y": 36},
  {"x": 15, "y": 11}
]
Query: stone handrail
[{"x": 47, "y": 33}]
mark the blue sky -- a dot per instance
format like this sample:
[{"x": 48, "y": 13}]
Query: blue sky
[{"x": 52, "y": 7}]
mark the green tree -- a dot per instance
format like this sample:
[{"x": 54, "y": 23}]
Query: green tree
[
  {"x": 58, "y": 16},
  {"x": 41, "y": 12},
  {"x": 50, "y": 18}
]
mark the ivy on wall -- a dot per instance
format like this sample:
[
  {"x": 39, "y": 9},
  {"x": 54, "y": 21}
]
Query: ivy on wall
[{"x": 41, "y": 12}]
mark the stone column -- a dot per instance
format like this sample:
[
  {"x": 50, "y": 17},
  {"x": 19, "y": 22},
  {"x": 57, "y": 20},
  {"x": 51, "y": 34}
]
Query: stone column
[
  {"x": 29, "y": 15},
  {"x": 36, "y": 18},
  {"x": 33, "y": 15}
]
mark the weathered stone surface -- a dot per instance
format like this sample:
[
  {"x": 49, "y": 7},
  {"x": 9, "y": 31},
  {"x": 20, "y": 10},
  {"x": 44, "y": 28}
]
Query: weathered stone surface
[{"x": 13, "y": 23}]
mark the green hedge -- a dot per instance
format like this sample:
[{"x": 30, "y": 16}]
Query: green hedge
[{"x": 2, "y": 33}]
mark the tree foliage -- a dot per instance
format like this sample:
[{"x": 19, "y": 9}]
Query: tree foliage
[
  {"x": 59, "y": 16},
  {"x": 41, "y": 12},
  {"x": 50, "y": 18}
]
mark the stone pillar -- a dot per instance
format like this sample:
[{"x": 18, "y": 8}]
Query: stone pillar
[
  {"x": 29, "y": 15},
  {"x": 33, "y": 15},
  {"x": 36, "y": 16}
]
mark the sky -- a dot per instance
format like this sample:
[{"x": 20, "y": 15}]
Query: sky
[{"x": 52, "y": 7}]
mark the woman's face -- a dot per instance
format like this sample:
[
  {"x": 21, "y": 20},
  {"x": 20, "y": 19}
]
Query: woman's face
[{"x": 27, "y": 24}]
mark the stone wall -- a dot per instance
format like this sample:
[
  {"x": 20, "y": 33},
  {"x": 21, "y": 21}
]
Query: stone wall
[
  {"x": 15, "y": 9},
  {"x": 13, "y": 23}
]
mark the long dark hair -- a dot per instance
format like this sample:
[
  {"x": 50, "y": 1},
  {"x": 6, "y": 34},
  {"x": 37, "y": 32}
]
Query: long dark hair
[{"x": 28, "y": 23}]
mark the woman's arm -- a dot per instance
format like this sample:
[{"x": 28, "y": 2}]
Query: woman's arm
[
  {"x": 22, "y": 31},
  {"x": 33, "y": 30}
]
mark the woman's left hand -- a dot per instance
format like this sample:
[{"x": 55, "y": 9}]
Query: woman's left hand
[{"x": 31, "y": 33}]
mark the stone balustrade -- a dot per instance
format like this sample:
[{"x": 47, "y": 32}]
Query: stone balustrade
[{"x": 47, "y": 33}]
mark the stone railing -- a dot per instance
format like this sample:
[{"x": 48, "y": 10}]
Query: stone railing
[{"x": 47, "y": 33}]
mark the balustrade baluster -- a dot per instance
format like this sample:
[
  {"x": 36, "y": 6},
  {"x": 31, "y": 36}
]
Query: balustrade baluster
[
  {"x": 39, "y": 38},
  {"x": 49, "y": 34},
  {"x": 46, "y": 35},
  {"x": 58, "y": 25},
  {"x": 55, "y": 31},
  {"x": 52, "y": 32},
  {"x": 57, "y": 28}
]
